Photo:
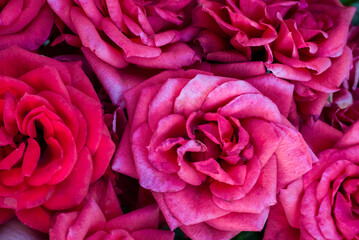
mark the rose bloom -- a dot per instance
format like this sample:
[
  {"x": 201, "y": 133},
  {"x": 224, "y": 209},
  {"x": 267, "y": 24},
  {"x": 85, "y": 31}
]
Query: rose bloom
[
  {"x": 100, "y": 217},
  {"x": 54, "y": 142},
  {"x": 213, "y": 150},
  {"x": 146, "y": 33},
  {"x": 324, "y": 204},
  {"x": 301, "y": 41},
  {"x": 25, "y": 23},
  {"x": 343, "y": 108}
]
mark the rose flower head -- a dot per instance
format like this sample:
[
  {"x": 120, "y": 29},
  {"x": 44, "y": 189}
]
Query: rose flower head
[
  {"x": 101, "y": 217},
  {"x": 150, "y": 34},
  {"x": 342, "y": 108},
  {"x": 54, "y": 142},
  {"x": 324, "y": 203},
  {"x": 25, "y": 23},
  {"x": 213, "y": 150},
  {"x": 301, "y": 41}
]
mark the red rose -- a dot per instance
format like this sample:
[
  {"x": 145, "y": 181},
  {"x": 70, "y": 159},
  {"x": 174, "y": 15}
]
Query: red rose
[
  {"x": 324, "y": 203},
  {"x": 25, "y": 23},
  {"x": 213, "y": 150},
  {"x": 301, "y": 41},
  {"x": 54, "y": 142},
  {"x": 148, "y": 34},
  {"x": 101, "y": 217}
]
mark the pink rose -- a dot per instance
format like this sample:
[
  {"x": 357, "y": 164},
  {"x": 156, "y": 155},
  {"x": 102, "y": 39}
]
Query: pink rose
[
  {"x": 148, "y": 34},
  {"x": 54, "y": 142},
  {"x": 301, "y": 41},
  {"x": 25, "y": 23},
  {"x": 213, "y": 150},
  {"x": 342, "y": 110},
  {"x": 101, "y": 217},
  {"x": 324, "y": 203}
]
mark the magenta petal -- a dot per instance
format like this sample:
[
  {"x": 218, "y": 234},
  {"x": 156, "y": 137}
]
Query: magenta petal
[
  {"x": 260, "y": 197},
  {"x": 204, "y": 231},
  {"x": 292, "y": 144},
  {"x": 89, "y": 219},
  {"x": 173, "y": 56},
  {"x": 193, "y": 205},
  {"x": 150, "y": 177},
  {"x": 226, "y": 92},
  {"x": 242, "y": 107},
  {"x": 147, "y": 217},
  {"x": 130, "y": 48},
  {"x": 162, "y": 104},
  {"x": 276, "y": 89},
  {"x": 35, "y": 34},
  {"x": 240, "y": 221},
  {"x": 194, "y": 93},
  {"x": 123, "y": 160},
  {"x": 152, "y": 234},
  {"x": 91, "y": 39},
  {"x": 277, "y": 226}
]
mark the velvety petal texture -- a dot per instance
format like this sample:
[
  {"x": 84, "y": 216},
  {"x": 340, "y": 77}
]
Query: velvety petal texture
[
  {"x": 324, "y": 203},
  {"x": 301, "y": 41},
  {"x": 54, "y": 142},
  {"x": 147, "y": 34},
  {"x": 213, "y": 150},
  {"x": 25, "y": 23},
  {"x": 100, "y": 217}
]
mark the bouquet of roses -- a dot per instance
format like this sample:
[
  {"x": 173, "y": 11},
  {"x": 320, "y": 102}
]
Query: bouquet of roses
[{"x": 192, "y": 119}]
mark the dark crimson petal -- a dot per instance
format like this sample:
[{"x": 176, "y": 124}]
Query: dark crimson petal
[
  {"x": 6, "y": 214},
  {"x": 75, "y": 186},
  {"x": 103, "y": 155},
  {"x": 36, "y": 218},
  {"x": 29, "y": 198},
  {"x": 38, "y": 79},
  {"x": 19, "y": 62},
  {"x": 152, "y": 234},
  {"x": 9, "y": 117},
  {"x": 92, "y": 111}
]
